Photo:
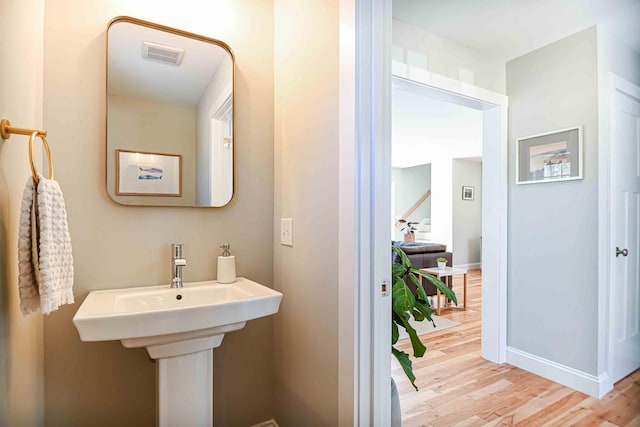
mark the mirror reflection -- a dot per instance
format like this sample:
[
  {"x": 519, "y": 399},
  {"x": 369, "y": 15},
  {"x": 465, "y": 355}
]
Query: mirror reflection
[{"x": 170, "y": 115}]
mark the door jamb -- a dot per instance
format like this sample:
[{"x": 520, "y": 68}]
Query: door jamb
[{"x": 365, "y": 214}]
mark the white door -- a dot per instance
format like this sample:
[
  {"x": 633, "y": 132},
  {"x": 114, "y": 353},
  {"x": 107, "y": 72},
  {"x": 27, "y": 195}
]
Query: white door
[{"x": 626, "y": 285}]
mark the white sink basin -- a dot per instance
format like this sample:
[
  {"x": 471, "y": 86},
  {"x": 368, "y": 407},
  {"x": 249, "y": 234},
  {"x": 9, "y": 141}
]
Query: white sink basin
[
  {"x": 170, "y": 322},
  {"x": 180, "y": 328}
]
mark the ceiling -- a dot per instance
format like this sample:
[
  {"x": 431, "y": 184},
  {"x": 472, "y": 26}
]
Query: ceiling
[
  {"x": 424, "y": 128},
  {"x": 507, "y": 29},
  {"x": 132, "y": 75}
]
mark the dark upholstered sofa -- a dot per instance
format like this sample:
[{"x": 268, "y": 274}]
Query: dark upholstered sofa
[{"x": 423, "y": 255}]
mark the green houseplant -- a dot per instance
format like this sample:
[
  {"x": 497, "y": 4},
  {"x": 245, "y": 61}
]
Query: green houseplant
[
  {"x": 442, "y": 263},
  {"x": 406, "y": 305}
]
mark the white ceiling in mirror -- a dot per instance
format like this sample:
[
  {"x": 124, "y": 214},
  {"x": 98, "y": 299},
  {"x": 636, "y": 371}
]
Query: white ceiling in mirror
[{"x": 130, "y": 74}]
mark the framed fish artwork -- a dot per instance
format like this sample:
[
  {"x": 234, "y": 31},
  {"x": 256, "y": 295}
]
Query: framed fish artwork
[{"x": 141, "y": 173}]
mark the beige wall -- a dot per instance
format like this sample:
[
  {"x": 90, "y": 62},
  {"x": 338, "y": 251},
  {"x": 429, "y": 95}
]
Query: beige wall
[
  {"x": 139, "y": 125},
  {"x": 21, "y": 344},
  {"x": 306, "y": 184},
  {"x": 117, "y": 246}
]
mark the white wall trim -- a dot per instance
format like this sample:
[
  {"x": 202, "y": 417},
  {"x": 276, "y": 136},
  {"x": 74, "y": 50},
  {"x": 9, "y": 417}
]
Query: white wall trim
[
  {"x": 471, "y": 266},
  {"x": 374, "y": 100},
  {"x": 429, "y": 78},
  {"x": 225, "y": 93},
  {"x": 494, "y": 195},
  {"x": 604, "y": 208},
  {"x": 605, "y": 278},
  {"x": 595, "y": 386}
]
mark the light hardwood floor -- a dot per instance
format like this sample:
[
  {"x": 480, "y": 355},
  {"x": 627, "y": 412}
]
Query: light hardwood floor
[{"x": 459, "y": 388}]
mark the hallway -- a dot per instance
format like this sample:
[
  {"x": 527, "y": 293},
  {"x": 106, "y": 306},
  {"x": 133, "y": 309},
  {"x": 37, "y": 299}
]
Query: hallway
[{"x": 458, "y": 387}]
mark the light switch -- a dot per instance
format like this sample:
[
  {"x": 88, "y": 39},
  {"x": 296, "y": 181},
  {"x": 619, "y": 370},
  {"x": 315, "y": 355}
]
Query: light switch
[{"x": 286, "y": 231}]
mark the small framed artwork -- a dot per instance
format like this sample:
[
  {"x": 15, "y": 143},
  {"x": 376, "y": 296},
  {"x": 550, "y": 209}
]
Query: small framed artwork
[
  {"x": 549, "y": 157},
  {"x": 140, "y": 173},
  {"x": 468, "y": 193}
]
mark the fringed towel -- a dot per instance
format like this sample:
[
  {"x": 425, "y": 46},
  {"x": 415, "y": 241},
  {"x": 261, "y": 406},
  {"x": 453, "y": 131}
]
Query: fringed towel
[{"x": 45, "y": 261}]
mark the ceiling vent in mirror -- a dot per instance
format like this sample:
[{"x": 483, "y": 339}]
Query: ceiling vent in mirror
[{"x": 162, "y": 53}]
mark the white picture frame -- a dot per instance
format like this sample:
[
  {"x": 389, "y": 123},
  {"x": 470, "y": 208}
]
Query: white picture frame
[
  {"x": 142, "y": 173},
  {"x": 550, "y": 157}
]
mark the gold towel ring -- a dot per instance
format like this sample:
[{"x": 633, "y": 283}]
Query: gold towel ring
[{"x": 45, "y": 144}]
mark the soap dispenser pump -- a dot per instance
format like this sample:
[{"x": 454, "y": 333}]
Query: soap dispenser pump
[{"x": 226, "y": 265}]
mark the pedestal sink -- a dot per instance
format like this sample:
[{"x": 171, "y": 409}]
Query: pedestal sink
[{"x": 180, "y": 328}]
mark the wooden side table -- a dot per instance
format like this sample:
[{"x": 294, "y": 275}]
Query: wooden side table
[{"x": 447, "y": 272}]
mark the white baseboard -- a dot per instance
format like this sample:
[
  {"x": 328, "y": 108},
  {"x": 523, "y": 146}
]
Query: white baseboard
[
  {"x": 472, "y": 266},
  {"x": 586, "y": 383},
  {"x": 270, "y": 423}
]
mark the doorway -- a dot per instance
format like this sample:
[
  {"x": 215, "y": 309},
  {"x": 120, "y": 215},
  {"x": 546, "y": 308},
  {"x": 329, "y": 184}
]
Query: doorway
[{"x": 494, "y": 203}]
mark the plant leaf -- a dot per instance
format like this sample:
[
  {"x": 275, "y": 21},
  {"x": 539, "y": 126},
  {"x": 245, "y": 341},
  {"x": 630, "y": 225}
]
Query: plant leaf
[
  {"x": 420, "y": 291},
  {"x": 418, "y": 347},
  {"x": 402, "y": 320},
  {"x": 405, "y": 362},
  {"x": 403, "y": 299},
  {"x": 397, "y": 318},
  {"x": 397, "y": 270},
  {"x": 395, "y": 334},
  {"x": 417, "y": 314},
  {"x": 425, "y": 309},
  {"x": 404, "y": 259}
]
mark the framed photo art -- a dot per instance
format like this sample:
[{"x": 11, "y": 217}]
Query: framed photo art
[
  {"x": 140, "y": 173},
  {"x": 468, "y": 193},
  {"x": 549, "y": 157}
]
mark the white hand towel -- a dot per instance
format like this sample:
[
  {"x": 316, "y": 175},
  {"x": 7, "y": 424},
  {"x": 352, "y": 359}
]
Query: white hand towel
[{"x": 45, "y": 261}]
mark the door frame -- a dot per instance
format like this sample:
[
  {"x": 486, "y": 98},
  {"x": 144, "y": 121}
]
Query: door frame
[
  {"x": 364, "y": 397},
  {"x": 365, "y": 212},
  {"x": 607, "y": 226},
  {"x": 494, "y": 195}
]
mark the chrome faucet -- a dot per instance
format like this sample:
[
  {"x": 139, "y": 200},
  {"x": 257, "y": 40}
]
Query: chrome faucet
[{"x": 177, "y": 262}]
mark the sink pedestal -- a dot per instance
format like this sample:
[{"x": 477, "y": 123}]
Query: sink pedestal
[
  {"x": 185, "y": 389},
  {"x": 179, "y": 327},
  {"x": 184, "y": 373}
]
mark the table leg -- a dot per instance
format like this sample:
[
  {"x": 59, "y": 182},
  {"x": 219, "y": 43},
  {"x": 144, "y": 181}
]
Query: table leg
[
  {"x": 438, "y": 296},
  {"x": 465, "y": 291}
]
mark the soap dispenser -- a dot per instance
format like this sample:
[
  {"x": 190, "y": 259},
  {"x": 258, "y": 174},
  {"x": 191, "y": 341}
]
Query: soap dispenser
[{"x": 226, "y": 265}]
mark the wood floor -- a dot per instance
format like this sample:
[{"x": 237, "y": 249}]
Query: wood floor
[{"x": 459, "y": 388}]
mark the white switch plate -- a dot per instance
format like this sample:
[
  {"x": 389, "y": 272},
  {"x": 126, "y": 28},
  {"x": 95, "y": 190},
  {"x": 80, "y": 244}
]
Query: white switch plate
[{"x": 286, "y": 231}]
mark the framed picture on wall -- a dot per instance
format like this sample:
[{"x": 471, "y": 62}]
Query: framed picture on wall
[
  {"x": 468, "y": 193},
  {"x": 549, "y": 157},
  {"x": 141, "y": 173}
]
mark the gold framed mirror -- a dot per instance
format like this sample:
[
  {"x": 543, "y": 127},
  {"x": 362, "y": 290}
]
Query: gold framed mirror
[{"x": 170, "y": 116}]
